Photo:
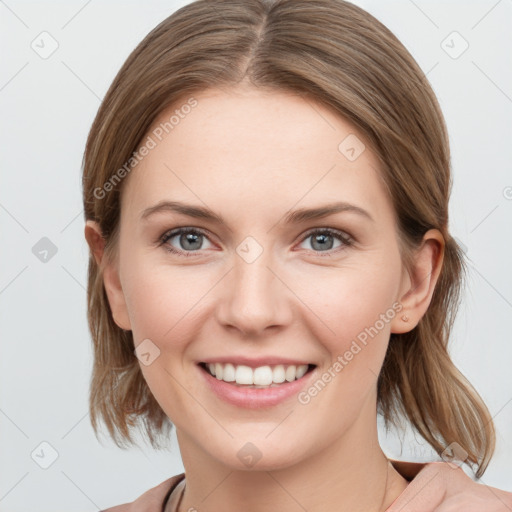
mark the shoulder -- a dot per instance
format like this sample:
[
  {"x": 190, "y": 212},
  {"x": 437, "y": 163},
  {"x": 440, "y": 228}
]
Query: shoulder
[
  {"x": 444, "y": 486},
  {"x": 152, "y": 500}
]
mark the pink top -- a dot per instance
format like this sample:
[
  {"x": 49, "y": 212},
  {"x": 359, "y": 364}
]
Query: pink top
[{"x": 155, "y": 499}]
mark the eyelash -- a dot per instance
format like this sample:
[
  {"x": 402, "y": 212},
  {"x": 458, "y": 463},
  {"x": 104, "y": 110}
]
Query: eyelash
[{"x": 342, "y": 237}]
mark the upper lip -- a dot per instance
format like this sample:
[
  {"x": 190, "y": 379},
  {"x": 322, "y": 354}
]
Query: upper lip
[{"x": 255, "y": 362}]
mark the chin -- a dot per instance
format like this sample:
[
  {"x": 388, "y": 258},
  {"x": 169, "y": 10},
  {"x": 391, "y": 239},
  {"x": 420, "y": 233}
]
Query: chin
[{"x": 259, "y": 456}]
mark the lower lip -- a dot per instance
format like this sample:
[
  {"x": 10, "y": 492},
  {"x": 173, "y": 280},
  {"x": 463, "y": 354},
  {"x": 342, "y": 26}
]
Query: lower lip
[{"x": 255, "y": 398}]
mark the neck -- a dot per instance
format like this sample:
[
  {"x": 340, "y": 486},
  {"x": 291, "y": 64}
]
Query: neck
[{"x": 351, "y": 475}]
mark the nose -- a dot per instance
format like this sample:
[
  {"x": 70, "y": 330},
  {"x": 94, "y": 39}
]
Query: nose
[{"x": 255, "y": 297}]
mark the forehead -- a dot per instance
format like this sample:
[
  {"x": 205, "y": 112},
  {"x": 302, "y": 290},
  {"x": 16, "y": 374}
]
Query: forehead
[{"x": 256, "y": 150}]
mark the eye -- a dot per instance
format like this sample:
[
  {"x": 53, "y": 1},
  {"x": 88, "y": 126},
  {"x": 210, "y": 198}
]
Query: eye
[
  {"x": 322, "y": 240},
  {"x": 189, "y": 241}
]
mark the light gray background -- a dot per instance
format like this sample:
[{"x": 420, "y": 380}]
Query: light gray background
[{"x": 47, "y": 107}]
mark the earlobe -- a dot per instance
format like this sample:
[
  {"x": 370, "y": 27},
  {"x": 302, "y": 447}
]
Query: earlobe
[
  {"x": 110, "y": 274},
  {"x": 116, "y": 297},
  {"x": 416, "y": 295}
]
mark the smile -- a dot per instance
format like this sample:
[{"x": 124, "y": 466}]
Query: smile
[
  {"x": 260, "y": 377},
  {"x": 255, "y": 388}
]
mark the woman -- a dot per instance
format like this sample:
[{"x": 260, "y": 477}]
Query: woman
[{"x": 266, "y": 191}]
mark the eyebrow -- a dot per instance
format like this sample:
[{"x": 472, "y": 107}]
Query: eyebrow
[{"x": 295, "y": 216}]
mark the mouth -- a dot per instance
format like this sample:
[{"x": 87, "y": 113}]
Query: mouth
[{"x": 262, "y": 377}]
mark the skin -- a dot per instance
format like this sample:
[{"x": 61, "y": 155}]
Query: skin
[
  {"x": 444, "y": 487},
  {"x": 251, "y": 156}
]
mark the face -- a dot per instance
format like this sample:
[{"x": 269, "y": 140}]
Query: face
[{"x": 258, "y": 286}]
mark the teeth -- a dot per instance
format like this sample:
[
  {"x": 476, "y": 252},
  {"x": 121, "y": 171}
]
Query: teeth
[
  {"x": 278, "y": 374},
  {"x": 301, "y": 370},
  {"x": 245, "y": 375},
  {"x": 263, "y": 376},
  {"x": 228, "y": 373},
  {"x": 290, "y": 373}
]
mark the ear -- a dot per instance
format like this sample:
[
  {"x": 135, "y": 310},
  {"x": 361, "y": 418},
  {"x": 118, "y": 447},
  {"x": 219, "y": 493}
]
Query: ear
[
  {"x": 418, "y": 286},
  {"x": 111, "y": 280}
]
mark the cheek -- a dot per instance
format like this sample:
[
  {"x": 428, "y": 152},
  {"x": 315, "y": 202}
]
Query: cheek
[
  {"x": 164, "y": 303},
  {"x": 336, "y": 304},
  {"x": 349, "y": 301},
  {"x": 357, "y": 304},
  {"x": 163, "y": 300}
]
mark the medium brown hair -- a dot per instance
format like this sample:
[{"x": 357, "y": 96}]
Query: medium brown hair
[{"x": 342, "y": 57}]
